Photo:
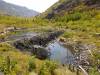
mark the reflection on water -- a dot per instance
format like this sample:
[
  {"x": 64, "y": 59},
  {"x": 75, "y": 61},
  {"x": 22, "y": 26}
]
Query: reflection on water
[{"x": 60, "y": 54}]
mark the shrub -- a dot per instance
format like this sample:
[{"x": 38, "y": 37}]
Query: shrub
[
  {"x": 31, "y": 64},
  {"x": 7, "y": 66},
  {"x": 47, "y": 68},
  {"x": 74, "y": 16}
]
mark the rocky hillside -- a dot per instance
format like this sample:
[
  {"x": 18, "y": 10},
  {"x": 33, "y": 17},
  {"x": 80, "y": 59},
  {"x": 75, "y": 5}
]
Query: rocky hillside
[
  {"x": 63, "y": 6},
  {"x": 14, "y": 10}
]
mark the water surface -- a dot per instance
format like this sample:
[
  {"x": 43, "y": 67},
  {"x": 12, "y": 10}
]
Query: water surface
[{"x": 60, "y": 54}]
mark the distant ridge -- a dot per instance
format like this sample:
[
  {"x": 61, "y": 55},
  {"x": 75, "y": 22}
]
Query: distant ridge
[{"x": 15, "y": 10}]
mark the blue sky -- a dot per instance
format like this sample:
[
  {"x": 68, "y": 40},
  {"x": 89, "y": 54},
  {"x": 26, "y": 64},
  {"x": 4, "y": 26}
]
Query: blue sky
[{"x": 38, "y": 5}]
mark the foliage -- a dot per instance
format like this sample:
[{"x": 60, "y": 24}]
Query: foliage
[
  {"x": 48, "y": 68},
  {"x": 82, "y": 24},
  {"x": 31, "y": 63},
  {"x": 94, "y": 71}
]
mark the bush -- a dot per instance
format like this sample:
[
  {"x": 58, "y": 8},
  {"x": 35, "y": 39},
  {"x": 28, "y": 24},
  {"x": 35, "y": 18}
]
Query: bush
[
  {"x": 74, "y": 17},
  {"x": 31, "y": 64},
  {"x": 69, "y": 17},
  {"x": 7, "y": 66},
  {"x": 48, "y": 68}
]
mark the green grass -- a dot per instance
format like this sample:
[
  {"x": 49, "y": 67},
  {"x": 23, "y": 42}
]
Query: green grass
[
  {"x": 79, "y": 25},
  {"x": 13, "y": 62}
]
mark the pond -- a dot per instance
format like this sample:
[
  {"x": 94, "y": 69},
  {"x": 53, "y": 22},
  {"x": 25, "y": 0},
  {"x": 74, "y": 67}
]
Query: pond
[{"x": 59, "y": 53}]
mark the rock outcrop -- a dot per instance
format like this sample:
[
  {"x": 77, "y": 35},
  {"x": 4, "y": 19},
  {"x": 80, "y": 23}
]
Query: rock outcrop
[{"x": 68, "y": 5}]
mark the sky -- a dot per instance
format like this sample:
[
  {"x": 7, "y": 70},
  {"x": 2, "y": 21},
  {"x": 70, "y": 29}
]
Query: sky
[{"x": 37, "y": 5}]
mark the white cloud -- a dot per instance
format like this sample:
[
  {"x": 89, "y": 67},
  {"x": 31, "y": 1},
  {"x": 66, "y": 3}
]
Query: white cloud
[{"x": 38, "y": 5}]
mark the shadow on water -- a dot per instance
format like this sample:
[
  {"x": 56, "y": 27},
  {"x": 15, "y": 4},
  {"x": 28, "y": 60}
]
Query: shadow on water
[{"x": 59, "y": 53}]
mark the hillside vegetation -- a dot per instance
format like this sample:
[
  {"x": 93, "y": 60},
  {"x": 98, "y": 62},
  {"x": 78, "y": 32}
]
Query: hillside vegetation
[{"x": 80, "y": 19}]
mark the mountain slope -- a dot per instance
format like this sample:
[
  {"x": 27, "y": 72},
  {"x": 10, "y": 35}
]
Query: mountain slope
[
  {"x": 14, "y": 10},
  {"x": 63, "y": 6}
]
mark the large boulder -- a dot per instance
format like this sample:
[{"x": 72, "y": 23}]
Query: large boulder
[{"x": 41, "y": 53}]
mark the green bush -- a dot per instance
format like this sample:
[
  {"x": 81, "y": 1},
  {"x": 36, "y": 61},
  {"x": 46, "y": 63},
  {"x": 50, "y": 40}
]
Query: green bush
[
  {"x": 74, "y": 17},
  {"x": 94, "y": 71},
  {"x": 7, "y": 66},
  {"x": 31, "y": 64},
  {"x": 48, "y": 68}
]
